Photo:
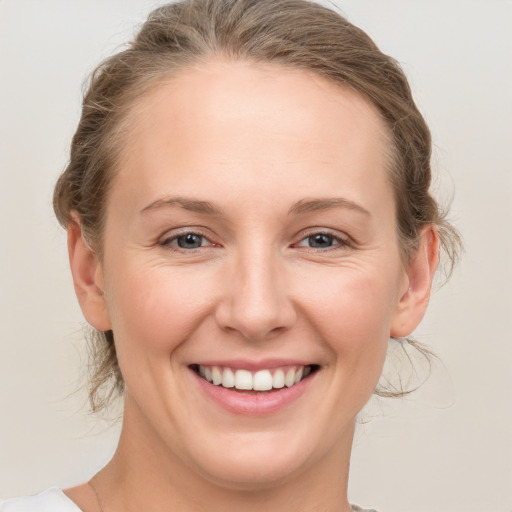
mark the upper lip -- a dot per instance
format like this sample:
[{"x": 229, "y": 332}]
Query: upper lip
[{"x": 252, "y": 364}]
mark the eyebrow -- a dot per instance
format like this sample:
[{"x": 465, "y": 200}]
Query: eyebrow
[
  {"x": 191, "y": 205},
  {"x": 301, "y": 207},
  {"x": 313, "y": 205}
]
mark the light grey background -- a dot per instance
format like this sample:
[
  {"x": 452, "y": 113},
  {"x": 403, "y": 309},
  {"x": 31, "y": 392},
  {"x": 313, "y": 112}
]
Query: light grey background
[{"x": 447, "y": 448}]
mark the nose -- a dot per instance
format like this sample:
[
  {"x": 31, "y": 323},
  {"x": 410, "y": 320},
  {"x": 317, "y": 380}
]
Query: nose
[{"x": 256, "y": 302}]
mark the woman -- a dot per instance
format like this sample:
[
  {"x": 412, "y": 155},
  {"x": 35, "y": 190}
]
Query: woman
[{"x": 249, "y": 222}]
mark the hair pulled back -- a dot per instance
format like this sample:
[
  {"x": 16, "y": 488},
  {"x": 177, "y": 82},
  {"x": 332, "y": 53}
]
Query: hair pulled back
[{"x": 294, "y": 33}]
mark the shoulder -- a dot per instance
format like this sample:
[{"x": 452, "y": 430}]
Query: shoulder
[{"x": 50, "y": 500}]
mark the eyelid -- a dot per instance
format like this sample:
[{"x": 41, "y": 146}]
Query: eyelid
[
  {"x": 343, "y": 239},
  {"x": 173, "y": 234}
]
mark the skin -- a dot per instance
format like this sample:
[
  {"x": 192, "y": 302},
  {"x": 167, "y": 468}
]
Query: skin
[{"x": 257, "y": 142}]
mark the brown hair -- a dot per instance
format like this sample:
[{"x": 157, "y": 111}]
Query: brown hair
[{"x": 293, "y": 33}]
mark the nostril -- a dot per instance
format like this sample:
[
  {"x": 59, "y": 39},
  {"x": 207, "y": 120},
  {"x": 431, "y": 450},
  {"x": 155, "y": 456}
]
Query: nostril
[{"x": 255, "y": 305}]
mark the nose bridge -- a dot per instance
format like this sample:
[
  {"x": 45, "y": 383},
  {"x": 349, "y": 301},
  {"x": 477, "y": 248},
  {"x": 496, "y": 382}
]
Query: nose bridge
[{"x": 257, "y": 304}]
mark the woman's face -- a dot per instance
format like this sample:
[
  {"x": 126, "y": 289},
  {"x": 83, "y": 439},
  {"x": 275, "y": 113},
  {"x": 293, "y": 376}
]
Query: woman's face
[{"x": 250, "y": 232}]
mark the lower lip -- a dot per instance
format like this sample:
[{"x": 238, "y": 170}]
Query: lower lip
[{"x": 252, "y": 404}]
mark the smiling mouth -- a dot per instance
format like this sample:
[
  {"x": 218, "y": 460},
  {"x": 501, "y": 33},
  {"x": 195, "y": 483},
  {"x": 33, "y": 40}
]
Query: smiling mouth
[{"x": 260, "y": 381}]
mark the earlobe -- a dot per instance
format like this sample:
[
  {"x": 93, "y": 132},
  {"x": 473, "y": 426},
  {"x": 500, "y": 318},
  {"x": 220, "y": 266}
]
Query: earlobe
[
  {"x": 421, "y": 268},
  {"x": 87, "y": 274}
]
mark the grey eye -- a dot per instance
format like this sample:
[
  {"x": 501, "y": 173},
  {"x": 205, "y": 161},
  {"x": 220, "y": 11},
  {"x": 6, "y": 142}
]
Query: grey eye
[
  {"x": 320, "y": 241},
  {"x": 190, "y": 241}
]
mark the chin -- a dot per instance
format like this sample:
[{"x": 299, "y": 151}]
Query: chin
[
  {"x": 243, "y": 476},
  {"x": 250, "y": 464}
]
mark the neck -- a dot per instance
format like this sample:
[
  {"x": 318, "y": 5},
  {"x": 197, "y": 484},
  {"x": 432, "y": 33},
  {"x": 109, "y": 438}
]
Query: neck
[{"x": 145, "y": 474}]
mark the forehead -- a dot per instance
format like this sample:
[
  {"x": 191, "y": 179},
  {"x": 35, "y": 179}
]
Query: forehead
[{"x": 237, "y": 121}]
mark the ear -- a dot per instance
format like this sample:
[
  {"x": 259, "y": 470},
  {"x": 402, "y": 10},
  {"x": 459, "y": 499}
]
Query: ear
[
  {"x": 87, "y": 274},
  {"x": 419, "y": 274}
]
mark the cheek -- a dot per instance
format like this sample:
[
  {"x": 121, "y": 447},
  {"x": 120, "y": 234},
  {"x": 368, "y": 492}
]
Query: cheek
[
  {"x": 356, "y": 301},
  {"x": 154, "y": 308},
  {"x": 353, "y": 316}
]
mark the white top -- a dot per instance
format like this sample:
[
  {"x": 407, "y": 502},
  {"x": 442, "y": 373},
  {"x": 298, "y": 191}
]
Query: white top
[
  {"x": 51, "y": 500},
  {"x": 54, "y": 500}
]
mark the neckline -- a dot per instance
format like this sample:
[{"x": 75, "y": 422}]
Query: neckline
[{"x": 60, "y": 493}]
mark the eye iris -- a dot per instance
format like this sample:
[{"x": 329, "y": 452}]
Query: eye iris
[
  {"x": 320, "y": 241},
  {"x": 190, "y": 241}
]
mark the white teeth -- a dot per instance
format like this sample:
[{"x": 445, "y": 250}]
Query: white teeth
[
  {"x": 278, "y": 379},
  {"x": 243, "y": 379},
  {"x": 262, "y": 380},
  {"x": 228, "y": 378},
  {"x": 289, "y": 379},
  {"x": 216, "y": 376}
]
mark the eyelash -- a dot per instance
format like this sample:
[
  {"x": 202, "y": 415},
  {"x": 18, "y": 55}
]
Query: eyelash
[
  {"x": 168, "y": 242},
  {"x": 172, "y": 241},
  {"x": 338, "y": 241}
]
